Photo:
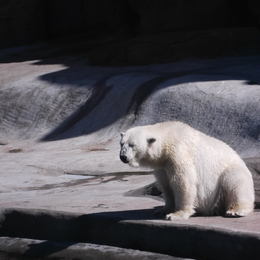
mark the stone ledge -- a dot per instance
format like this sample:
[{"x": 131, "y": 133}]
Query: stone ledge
[
  {"x": 136, "y": 230},
  {"x": 23, "y": 248}
]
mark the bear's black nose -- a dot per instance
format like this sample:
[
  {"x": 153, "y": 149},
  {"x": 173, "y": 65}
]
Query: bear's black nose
[{"x": 123, "y": 158}]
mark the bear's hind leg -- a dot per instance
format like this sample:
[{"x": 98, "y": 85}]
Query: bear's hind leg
[
  {"x": 238, "y": 210},
  {"x": 238, "y": 191},
  {"x": 167, "y": 191}
]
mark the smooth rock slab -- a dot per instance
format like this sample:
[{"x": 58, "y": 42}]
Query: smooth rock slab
[
  {"x": 22, "y": 248},
  {"x": 199, "y": 239}
]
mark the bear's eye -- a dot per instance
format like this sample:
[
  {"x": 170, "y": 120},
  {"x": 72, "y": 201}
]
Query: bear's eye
[{"x": 131, "y": 145}]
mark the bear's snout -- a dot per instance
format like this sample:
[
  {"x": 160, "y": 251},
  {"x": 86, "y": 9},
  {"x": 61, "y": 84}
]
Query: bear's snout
[{"x": 124, "y": 159}]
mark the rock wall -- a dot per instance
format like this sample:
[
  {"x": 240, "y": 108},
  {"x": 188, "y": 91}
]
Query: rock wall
[
  {"x": 52, "y": 91},
  {"x": 65, "y": 99},
  {"x": 26, "y": 21},
  {"x": 22, "y": 22},
  {"x": 161, "y": 16}
]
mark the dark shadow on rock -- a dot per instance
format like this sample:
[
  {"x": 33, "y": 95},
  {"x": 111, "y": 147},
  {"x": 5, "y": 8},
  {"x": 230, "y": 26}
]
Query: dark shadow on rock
[
  {"x": 99, "y": 92},
  {"x": 253, "y": 165},
  {"x": 46, "y": 248},
  {"x": 121, "y": 229},
  {"x": 252, "y": 82},
  {"x": 140, "y": 214},
  {"x": 124, "y": 229},
  {"x": 80, "y": 121},
  {"x": 62, "y": 226},
  {"x": 151, "y": 190},
  {"x": 70, "y": 127}
]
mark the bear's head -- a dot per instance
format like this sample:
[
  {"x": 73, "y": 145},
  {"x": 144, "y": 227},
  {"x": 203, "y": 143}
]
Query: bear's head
[{"x": 135, "y": 146}]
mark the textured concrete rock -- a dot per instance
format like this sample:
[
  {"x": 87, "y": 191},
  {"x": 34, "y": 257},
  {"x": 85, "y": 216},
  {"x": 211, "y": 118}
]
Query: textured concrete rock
[
  {"x": 22, "y": 248},
  {"x": 64, "y": 98},
  {"x": 253, "y": 165},
  {"x": 199, "y": 238}
]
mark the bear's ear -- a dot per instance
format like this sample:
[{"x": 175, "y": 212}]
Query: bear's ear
[
  {"x": 122, "y": 134},
  {"x": 151, "y": 140}
]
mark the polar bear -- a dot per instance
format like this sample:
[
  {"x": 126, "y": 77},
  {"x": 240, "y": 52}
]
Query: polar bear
[{"x": 196, "y": 173}]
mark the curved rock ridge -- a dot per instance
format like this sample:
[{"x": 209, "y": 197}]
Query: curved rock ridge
[{"x": 63, "y": 98}]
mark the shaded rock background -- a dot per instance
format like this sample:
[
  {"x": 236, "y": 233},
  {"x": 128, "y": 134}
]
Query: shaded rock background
[
  {"x": 64, "y": 98},
  {"x": 130, "y": 32},
  {"x": 24, "y": 21},
  {"x": 62, "y": 115}
]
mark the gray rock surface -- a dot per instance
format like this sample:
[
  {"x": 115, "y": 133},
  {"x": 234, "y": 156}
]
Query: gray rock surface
[
  {"x": 13, "y": 249},
  {"x": 64, "y": 98}
]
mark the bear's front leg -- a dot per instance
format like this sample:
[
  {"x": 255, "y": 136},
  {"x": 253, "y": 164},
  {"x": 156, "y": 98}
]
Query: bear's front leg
[
  {"x": 164, "y": 184},
  {"x": 184, "y": 186},
  {"x": 179, "y": 215}
]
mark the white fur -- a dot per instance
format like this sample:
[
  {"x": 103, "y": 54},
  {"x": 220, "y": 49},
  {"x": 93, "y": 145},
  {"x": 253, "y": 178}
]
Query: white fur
[{"x": 197, "y": 173}]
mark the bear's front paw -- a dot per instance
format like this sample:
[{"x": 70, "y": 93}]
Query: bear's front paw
[{"x": 178, "y": 215}]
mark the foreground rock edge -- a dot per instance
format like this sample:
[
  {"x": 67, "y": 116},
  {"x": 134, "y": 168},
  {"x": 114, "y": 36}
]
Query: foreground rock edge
[
  {"x": 23, "y": 248},
  {"x": 113, "y": 229}
]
